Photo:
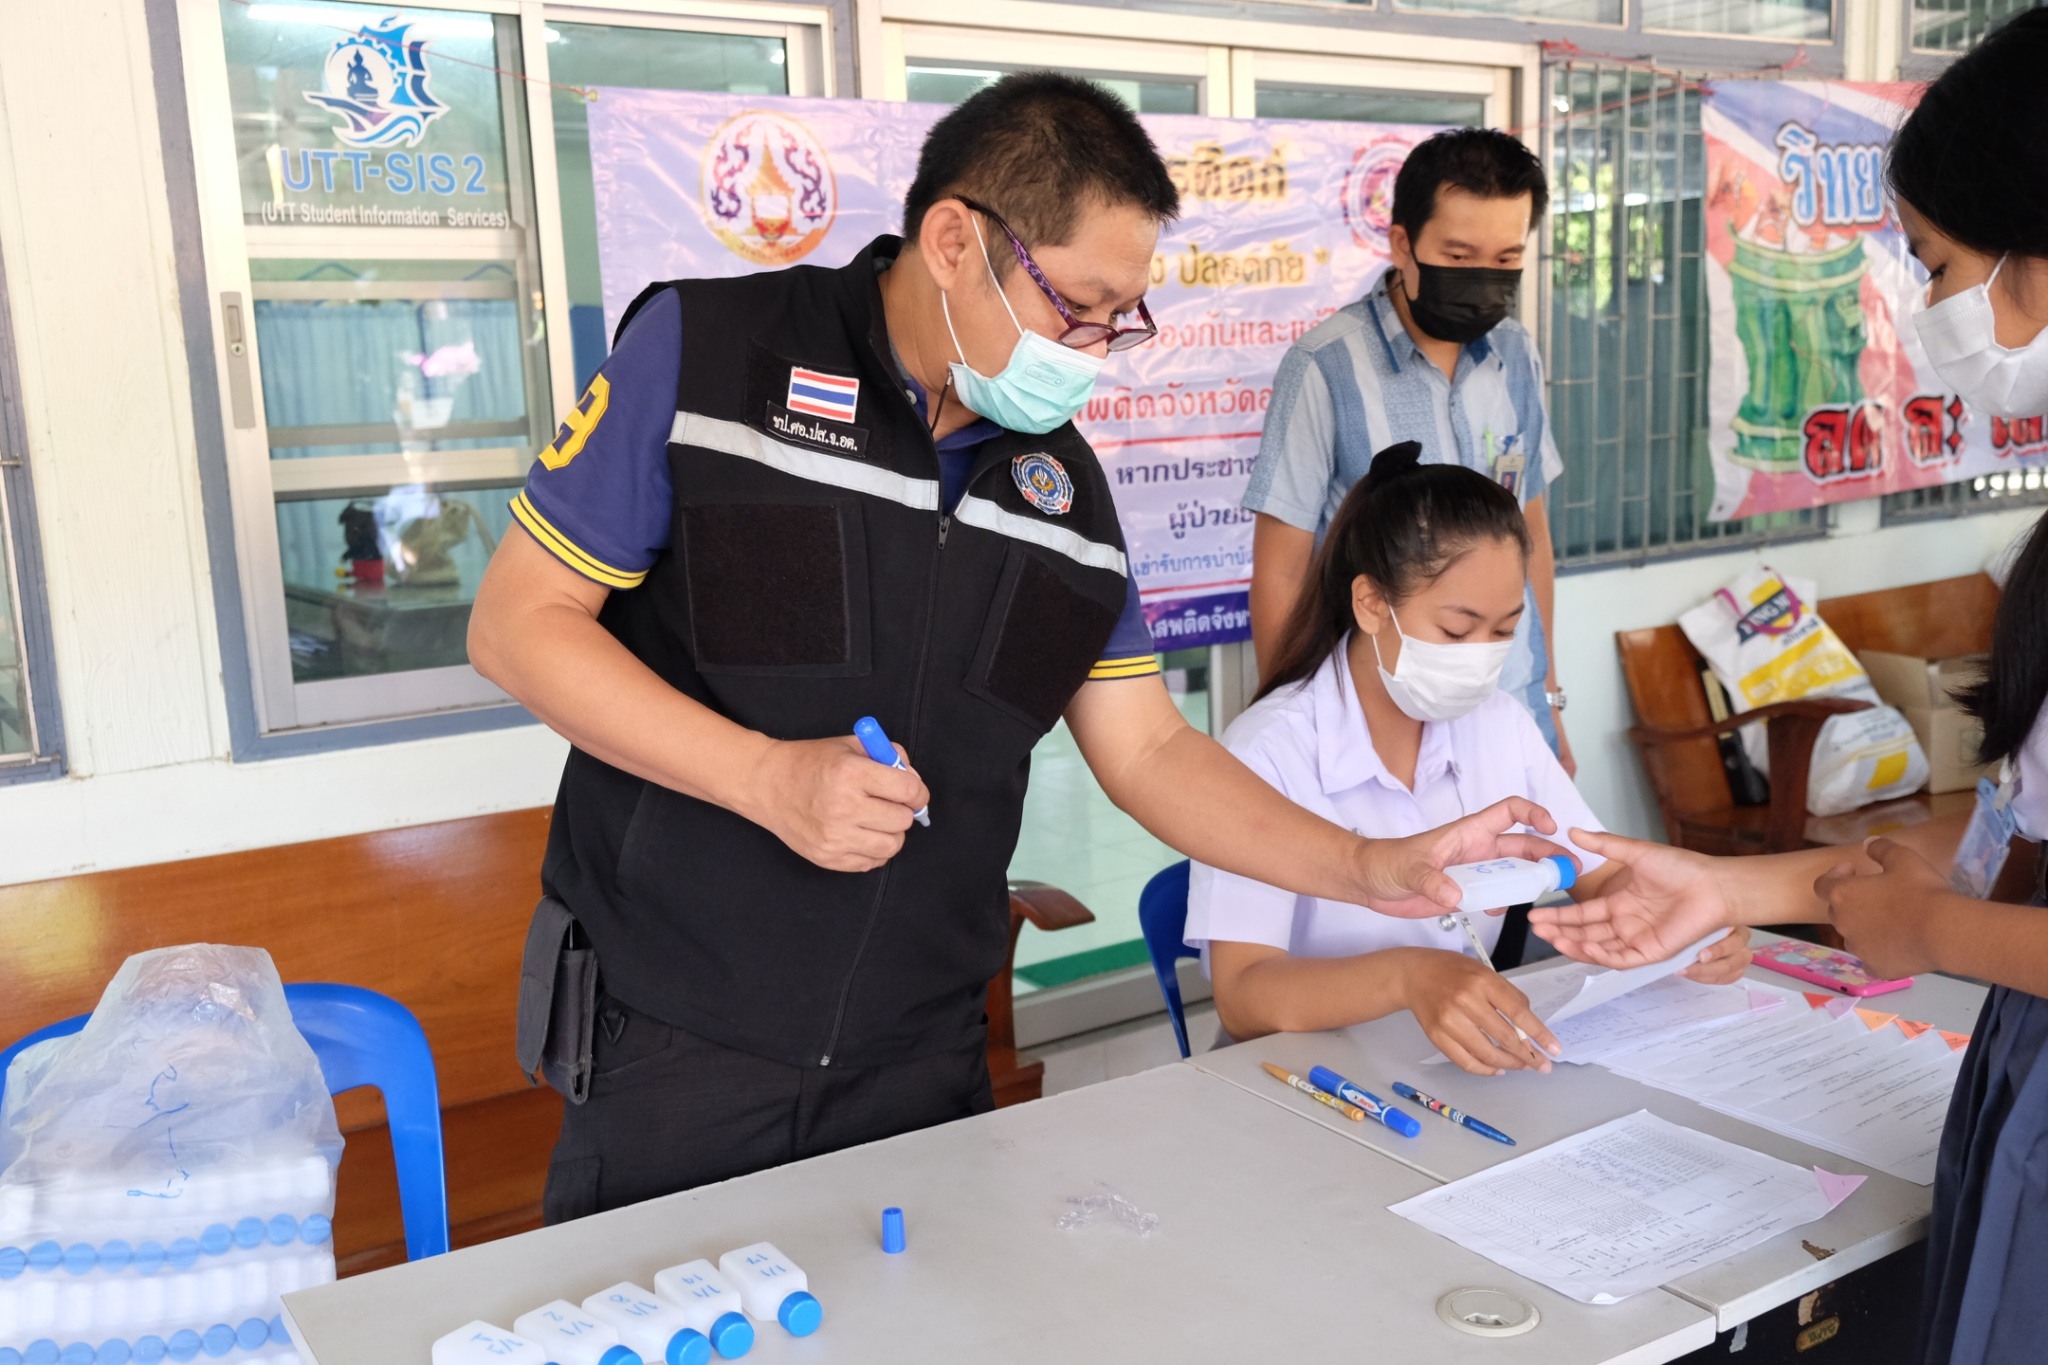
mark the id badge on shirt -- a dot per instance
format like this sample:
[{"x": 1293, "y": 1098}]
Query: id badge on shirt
[
  {"x": 1981, "y": 855},
  {"x": 1508, "y": 467}
]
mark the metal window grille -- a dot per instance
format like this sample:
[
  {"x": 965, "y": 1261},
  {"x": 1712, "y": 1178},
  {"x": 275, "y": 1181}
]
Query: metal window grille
[
  {"x": 1952, "y": 26},
  {"x": 1625, "y": 312}
]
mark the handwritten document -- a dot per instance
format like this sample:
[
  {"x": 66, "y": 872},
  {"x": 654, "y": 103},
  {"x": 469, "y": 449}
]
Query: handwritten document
[{"x": 1625, "y": 1207}]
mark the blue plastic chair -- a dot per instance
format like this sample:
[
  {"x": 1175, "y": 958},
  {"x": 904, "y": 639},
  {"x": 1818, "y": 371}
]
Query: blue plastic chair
[
  {"x": 362, "y": 1038},
  {"x": 1163, "y": 916}
]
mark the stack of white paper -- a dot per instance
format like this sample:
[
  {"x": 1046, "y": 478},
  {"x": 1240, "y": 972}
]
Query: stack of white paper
[
  {"x": 1841, "y": 1079},
  {"x": 1625, "y": 1207}
]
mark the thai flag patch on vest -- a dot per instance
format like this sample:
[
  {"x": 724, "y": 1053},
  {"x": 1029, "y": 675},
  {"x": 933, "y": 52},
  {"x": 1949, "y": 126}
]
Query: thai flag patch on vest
[{"x": 822, "y": 395}]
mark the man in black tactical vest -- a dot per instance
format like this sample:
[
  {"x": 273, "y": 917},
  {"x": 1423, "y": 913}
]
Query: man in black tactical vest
[{"x": 798, "y": 498}]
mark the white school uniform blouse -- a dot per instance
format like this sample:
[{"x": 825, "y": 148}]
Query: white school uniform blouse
[{"x": 1311, "y": 742}]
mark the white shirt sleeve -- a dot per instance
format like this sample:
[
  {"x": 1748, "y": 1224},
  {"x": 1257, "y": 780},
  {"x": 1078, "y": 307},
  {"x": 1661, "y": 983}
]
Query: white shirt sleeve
[
  {"x": 1550, "y": 787},
  {"x": 1224, "y": 907}
]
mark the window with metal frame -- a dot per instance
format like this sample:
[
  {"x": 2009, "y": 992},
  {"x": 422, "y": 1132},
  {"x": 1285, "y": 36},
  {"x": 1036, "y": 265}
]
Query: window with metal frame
[
  {"x": 1953, "y": 26},
  {"x": 1626, "y": 315},
  {"x": 31, "y": 740}
]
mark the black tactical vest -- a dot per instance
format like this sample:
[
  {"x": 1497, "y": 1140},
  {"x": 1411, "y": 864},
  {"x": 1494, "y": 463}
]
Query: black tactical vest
[{"x": 813, "y": 579}]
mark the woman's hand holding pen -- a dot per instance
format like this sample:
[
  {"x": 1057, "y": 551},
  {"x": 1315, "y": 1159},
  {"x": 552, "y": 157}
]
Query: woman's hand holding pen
[
  {"x": 1405, "y": 878},
  {"x": 1460, "y": 1001}
]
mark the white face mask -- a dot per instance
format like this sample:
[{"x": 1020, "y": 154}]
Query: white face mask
[
  {"x": 2030, "y": 766},
  {"x": 1960, "y": 336},
  {"x": 1442, "y": 682}
]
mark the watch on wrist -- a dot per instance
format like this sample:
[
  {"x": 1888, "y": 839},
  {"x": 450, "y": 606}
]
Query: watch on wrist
[{"x": 1555, "y": 696}]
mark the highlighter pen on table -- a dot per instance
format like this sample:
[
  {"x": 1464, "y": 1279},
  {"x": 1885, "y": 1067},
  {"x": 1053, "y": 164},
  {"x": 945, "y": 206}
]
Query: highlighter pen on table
[
  {"x": 1375, "y": 1108},
  {"x": 1286, "y": 1077},
  {"x": 1457, "y": 1116},
  {"x": 868, "y": 731}
]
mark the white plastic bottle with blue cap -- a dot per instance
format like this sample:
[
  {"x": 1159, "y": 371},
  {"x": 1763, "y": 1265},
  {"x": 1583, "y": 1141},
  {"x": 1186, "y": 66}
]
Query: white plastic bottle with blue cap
[
  {"x": 657, "y": 1331},
  {"x": 772, "y": 1288},
  {"x": 573, "y": 1336},
  {"x": 479, "y": 1343},
  {"x": 1500, "y": 882},
  {"x": 711, "y": 1304}
]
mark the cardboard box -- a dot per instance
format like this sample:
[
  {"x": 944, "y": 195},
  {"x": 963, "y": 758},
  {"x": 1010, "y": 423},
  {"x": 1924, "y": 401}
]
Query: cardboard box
[{"x": 1921, "y": 689}]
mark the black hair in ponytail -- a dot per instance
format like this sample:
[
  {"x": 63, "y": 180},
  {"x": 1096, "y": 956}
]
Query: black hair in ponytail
[
  {"x": 2016, "y": 683},
  {"x": 1401, "y": 526}
]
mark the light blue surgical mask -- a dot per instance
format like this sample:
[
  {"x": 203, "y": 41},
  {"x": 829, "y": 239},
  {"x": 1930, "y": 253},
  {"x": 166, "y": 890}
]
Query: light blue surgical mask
[{"x": 1044, "y": 385}]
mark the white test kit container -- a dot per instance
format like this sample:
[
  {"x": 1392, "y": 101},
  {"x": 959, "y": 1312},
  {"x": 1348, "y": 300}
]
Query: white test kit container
[
  {"x": 1500, "y": 882},
  {"x": 711, "y": 1304},
  {"x": 570, "y": 1336},
  {"x": 772, "y": 1288},
  {"x": 479, "y": 1343},
  {"x": 657, "y": 1331}
]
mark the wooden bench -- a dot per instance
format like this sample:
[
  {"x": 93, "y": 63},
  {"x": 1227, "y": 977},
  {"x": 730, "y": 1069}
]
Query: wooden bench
[
  {"x": 1677, "y": 737},
  {"x": 433, "y": 916}
]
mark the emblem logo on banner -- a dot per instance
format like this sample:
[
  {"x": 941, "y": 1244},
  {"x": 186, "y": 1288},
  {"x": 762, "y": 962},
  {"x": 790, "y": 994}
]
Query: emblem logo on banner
[
  {"x": 377, "y": 81},
  {"x": 766, "y": 188},
  {"x": 1044, "y": 483},
  {"x": 1369, "y": 190}
]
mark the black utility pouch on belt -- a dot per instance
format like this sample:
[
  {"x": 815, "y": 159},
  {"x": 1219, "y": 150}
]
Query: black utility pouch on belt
[{"x": 557, "y": 1001}]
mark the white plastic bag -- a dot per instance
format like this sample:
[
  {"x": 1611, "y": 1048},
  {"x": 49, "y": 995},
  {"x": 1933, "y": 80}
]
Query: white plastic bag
[
  {"x": 168, "y": 1171},
  {"x": 1765, "y": 644}
]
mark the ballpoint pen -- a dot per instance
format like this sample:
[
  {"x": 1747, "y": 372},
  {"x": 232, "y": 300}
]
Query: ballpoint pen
[{"x": 1457, "y": 1116}]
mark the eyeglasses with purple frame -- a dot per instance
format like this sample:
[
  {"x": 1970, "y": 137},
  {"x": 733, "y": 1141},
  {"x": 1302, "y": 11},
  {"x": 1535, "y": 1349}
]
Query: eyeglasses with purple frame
[{"x": 1079, "y": 335}]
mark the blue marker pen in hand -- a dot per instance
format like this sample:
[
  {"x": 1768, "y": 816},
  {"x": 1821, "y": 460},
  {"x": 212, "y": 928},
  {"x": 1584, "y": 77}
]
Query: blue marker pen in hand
[{"x": 868, "y": 731}]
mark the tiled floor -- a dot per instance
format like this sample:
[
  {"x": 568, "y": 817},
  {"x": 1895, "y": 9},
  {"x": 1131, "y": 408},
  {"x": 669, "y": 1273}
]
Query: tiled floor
[
  {"x": 1121, "y": 1050},
  {"x": 1073, "y": 838}
]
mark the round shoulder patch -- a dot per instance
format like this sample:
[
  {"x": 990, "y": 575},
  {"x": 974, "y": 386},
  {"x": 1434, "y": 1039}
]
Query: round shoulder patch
[{"x": 1044, "y": 483}]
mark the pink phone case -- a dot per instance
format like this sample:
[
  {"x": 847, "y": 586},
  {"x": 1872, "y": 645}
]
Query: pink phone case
[{"x": 1837, "y": 971}]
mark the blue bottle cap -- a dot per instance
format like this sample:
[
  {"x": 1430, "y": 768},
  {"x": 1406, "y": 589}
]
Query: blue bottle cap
[
  {"x": 80, "y": 1257},
  {"x": 219, "y": 1340},
  {"x": 183, "y": 1253},
  {"x": 114, "y": 1351},
  {"x": 249, "y": 1233},
  {"x": 252, "y": 1333},
  {"x": 149, "y": 1258},
  {"x": 13, "y": 1260},
  {"x": 620, "y": 1355},
  {"x": 185, "y": 1344},
  {"x": 732, "y": 1336},
  {"x": 892, "y": 1230},
  {"x": 1566, "y": 873},
  {"x": 283, "y": 1230},
  {"x": 46, "y": 1255},
  {"x": 315, "y": 1229},
  {"x": 116, "y": 1255},
  {"x": 150, "y": 1349},
  {"x": 278, "y": 1335},
  {"x": 77, "y": 1353},
  {"x": 800, "y": 1314},
  {"x": 9, "y": 1356},
  {"x": 689, "y": 1347},
  {"x": 216, "y": 1239},
  {"x": 41, "y": 1351},
  {"x": 1403, "y": 1123}
]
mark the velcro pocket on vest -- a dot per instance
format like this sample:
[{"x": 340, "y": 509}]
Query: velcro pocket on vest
[
  {"x": 777, "y": 587},
  {"x": 1042, "y": 637}
]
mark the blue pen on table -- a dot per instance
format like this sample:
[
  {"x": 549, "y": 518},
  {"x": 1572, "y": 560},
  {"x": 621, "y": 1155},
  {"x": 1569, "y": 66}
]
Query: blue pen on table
[
  {"x": 1457, "y": 1116},
  {"x": 1375, "y": 1108},
  {"x": 868, "y": 731}
]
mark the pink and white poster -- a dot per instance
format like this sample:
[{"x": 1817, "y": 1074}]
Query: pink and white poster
[{"x": 1282, "y": 223}]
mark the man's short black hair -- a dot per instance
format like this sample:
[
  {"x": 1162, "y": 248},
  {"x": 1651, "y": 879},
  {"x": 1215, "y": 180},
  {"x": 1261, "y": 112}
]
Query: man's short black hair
[
  {"x": 1036, "y": 147},
  {"x": 1481, "y": 161}
]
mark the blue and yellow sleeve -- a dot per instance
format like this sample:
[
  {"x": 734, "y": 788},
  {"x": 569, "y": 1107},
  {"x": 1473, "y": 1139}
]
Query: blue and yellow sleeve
[
  {"x": 1129, "y": 653},
  {"x": 599, "y": 499}
]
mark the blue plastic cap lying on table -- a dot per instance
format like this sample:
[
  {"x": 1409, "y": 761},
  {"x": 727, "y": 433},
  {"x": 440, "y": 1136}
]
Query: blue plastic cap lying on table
[
  {"x": 892, "y": 1230},
  {"x": 800, "y": 1313},
  {"x": 620, "y": 1355},
  {"x": 732, "y": 1336},
  {"x": 1566, "y": 873},
  {"x": 689, "y": 1347},
  {"x": 1403, "y": 1123}
]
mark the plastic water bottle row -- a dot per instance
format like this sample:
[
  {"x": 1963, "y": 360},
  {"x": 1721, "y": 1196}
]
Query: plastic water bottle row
[
  {"x": 149, "y": 1257},
  {"x": 298, "y": 1183},
  {"x": 216, "y": 1342},
  {"x": 124, "y": 1305},
  {"x": 695, "y": 1309}
]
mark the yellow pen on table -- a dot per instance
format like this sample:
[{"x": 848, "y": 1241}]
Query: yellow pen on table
[{"x": 1286, "y": 1077}]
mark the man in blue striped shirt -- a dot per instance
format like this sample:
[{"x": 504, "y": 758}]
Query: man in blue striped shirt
[{"x": 1431, "y": 354}]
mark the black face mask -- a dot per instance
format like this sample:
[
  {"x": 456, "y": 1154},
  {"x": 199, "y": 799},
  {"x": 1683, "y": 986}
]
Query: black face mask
[{"x": 1462, "y": 303}]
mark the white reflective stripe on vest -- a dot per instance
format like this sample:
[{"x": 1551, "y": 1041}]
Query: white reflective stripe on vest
[
  {"x": 732, "y": 438},
  {"x": 989, "y": 517}
]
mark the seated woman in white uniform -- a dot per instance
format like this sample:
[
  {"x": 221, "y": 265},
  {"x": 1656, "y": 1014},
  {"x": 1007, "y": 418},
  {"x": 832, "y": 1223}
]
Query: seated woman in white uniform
[{"x": 1383, "y": 715}]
